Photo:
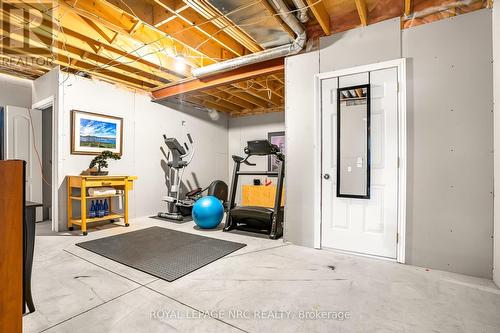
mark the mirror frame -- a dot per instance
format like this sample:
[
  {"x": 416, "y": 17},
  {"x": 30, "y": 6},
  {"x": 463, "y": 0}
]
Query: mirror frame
[{"x": 368, "y": 142}]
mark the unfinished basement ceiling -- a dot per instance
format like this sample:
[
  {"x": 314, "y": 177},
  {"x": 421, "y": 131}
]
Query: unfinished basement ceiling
[
  {"x": 153, "y": 45},
  {"x": 262, "y": 94},
  {"x": 255, "y": 20}
]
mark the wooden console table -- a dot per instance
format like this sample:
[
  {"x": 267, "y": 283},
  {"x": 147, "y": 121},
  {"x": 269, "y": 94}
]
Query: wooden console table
[{"x": 125, "y": 183}]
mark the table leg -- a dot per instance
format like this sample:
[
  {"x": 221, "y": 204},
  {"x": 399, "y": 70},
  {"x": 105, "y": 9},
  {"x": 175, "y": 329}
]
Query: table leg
[
  {"x": 83, "y": 207},
  {"x": 29, "y": 246},
  {"x": 125, "y": 207},
  {"x": 111, "y": 207},
  {"x": 70, "y": 207}
]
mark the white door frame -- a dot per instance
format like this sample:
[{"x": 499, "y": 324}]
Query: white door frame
[
  {"x": 43, "y": 104},
  {"x": 400, "y": 64}
]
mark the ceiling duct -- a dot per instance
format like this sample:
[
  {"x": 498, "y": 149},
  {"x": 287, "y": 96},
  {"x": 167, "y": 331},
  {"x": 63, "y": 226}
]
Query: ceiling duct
[
  {"x": 277, "y": 52},
  {"x": 301, "y": 10}
]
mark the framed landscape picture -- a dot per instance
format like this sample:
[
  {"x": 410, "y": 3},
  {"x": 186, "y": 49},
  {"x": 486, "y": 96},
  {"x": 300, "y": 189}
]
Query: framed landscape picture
[
  {"x": 278, "y": 139},
  {"x": 92, "y": 133}
]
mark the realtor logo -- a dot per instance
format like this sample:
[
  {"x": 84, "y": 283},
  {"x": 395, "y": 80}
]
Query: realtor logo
[{"x": 27, "y": 28}]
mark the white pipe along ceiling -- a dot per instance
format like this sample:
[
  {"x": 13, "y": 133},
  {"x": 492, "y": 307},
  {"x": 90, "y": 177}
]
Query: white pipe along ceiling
[{"x": 277, "y": 52}]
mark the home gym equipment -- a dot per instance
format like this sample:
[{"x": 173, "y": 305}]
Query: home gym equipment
[
  {"x": 253, "y": 218},
  {"x": 178, "y": 158},
  {"x": 208, "y": 212}
]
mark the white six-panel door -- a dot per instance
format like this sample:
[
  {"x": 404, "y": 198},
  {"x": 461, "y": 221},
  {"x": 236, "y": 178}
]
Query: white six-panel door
[
  {"x": 364, "y": 226},
  {"x": 20, "y": 142}
]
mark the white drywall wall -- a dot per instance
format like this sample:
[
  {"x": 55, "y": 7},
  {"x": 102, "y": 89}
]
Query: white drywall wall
[
  {"x": 449, "y": 228},
  {"x": 152, "y": 120},
  {"x": 47, "y": 85},
  {"x": 144, "y": 123},
  {"x": 244, "y": 129},
  {"x": 450, "y": 137},
  {"x": 299, "y": 168},
  {"x": 496, "y": 124},
  {"x": 46, "y": 88},
  {"x": 367, "y": 45},
  {"x": 14, "y": 91}
]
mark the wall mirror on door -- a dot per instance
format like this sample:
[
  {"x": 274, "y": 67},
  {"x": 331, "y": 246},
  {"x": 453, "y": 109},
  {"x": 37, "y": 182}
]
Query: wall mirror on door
[{"x": 353, "y": 142}]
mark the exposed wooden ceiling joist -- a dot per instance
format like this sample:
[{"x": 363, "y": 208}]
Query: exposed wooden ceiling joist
[
  {"x": 120, "y": 21},
  {"x": 321, "y": 15},
  {"x": 207, "y": 10},
  {"x": 184, "y": 26},
  {"x": 271, "y": 12},
  {"x": 407, "y": 7},
  {"x": 85, "y": 52},
  {"x": 190, "y": 18},
  {"x": 138, "y": 43},
  {"x": 362, "y": 11},
  {"x": 235, "y": 75}
]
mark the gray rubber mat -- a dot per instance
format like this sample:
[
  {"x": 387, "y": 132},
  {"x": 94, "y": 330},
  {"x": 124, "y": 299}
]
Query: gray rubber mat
[
  {"x": 164, "y": 253},
  {"x": 186, "y": 219}
]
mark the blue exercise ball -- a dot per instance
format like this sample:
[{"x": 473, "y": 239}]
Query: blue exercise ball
[{"x": 208, "y": 212}]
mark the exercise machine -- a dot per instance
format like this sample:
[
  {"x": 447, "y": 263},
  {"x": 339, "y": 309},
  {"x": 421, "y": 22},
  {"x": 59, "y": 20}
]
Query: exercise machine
[
  {"x": 178, "y": 158},
  {"x": 253, "y": 218}
]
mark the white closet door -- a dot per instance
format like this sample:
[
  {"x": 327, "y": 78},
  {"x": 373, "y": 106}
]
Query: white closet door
[
  {"x": 365, "y": 226},
  {"x": 21, "y": 139}
]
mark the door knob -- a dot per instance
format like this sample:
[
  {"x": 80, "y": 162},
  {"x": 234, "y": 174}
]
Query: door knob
[{"x": 326, "y": 176}]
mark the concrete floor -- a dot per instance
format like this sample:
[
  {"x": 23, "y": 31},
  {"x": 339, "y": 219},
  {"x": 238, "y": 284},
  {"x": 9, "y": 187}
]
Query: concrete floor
[{"x": 270, "y": 283}]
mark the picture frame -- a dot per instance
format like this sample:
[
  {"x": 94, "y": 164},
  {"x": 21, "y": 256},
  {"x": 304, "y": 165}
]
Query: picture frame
[
  {"x": 93, "y": 133},
  {"x": 277, "y": 138}
]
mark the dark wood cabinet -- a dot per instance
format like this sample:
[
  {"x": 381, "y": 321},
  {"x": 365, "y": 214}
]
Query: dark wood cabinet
[{"x": 12, "y": 178}]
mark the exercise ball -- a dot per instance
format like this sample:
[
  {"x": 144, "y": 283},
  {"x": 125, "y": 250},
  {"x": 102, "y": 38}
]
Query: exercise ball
[{"x": 208, "y": 212}]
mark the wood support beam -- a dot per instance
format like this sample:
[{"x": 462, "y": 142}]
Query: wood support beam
[
  {"x": 208, "y": 104},
  {"x": 270, "y": 99},
  {"x": 94, "y": 61},
  {"x": 241, "y": 94},
  {"x": 319, "y": 11},
  {"x": 227, "y": 96},
  {"x": 407, "y": 7},
  {"x": 222, "y": 102},
  {"x": 235, "y": 75},
  {"x": 105, "y": 14},
  {"x": 362, "y": 11},
  {"x": 244, "y": 113},
  {"x": 194, "y": 30}
]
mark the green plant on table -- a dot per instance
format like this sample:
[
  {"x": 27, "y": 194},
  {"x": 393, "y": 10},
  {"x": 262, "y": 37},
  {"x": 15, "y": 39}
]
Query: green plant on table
[{"x": 101, "y": 159}]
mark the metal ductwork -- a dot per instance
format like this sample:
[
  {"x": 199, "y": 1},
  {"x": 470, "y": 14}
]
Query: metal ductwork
[
  {"x": 277, "y": 52},
  {"x": 301, "y": 10}
]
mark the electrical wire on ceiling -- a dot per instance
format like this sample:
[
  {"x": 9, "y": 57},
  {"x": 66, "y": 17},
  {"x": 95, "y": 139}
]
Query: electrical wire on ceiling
[
  {"x": 114, "y": 62},
  {"x": 445, "y": 8},
  {"x": 222, "y": 29},
  {"x": 109, "y": 64}
]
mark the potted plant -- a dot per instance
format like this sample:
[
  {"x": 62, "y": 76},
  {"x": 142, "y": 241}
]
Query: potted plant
[{"x": 101, "y": 162}]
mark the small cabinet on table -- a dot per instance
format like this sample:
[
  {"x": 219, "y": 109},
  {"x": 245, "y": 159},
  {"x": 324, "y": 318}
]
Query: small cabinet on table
[{"x": 78, "y": 192}]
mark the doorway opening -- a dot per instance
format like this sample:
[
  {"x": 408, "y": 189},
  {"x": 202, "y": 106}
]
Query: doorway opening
[
  {"x": 46, "y": 157},
  {"x": 28, "y": 134}
]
